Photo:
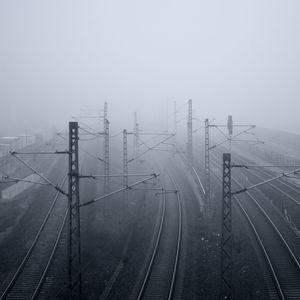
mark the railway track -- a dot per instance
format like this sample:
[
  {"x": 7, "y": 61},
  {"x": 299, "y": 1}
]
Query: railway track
[
  {"x": 274, "y": 213},
  {"x": 284, "y": 188},
  {"x": 26, "y": 281},
  {"x": 287, "y": 189},
  {"x": 283, "y": 194},
  {"x": 160, "y": 276},
  {"x": 274, "y": 242}
]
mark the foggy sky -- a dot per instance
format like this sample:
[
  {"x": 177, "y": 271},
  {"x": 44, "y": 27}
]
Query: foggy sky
[{"x": 231, "y": 57}]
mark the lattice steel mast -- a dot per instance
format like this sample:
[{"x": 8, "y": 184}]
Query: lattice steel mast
[
  {"x": 226, "y": 251},
  {"x": 74, "y": 247}
]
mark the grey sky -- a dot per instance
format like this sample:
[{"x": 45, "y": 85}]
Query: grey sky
[{"x": 230, "y": 57}]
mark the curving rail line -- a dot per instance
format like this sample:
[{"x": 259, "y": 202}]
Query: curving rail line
[
  {"x": 282, "y": 261},
  {"x": 283, "y": 184},
  {"x": 159, "y": 280},
  {"x": 27, "y": 280}
]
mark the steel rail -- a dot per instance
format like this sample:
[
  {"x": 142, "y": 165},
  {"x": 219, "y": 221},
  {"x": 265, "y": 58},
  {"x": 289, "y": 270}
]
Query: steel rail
[
  {"x": 184, "y": 158},
  {"x": 42, "y": 279},
  {"x": 174, "y": 269},
  {"x": 30, "y": 250},
  {"x": 273, "y": 225},
  {"x": 283, "y": 240},
  {"x": 261, "y": 244},
  {"x": 199, "y": 181},
  {"x": 274, "y": 275},
  {"x": 178, "y": 240},
  {"x": 154, "y": 253}
]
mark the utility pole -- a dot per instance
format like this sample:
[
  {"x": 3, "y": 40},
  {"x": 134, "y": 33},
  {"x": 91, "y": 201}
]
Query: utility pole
[
  {"x": 190, "y": 133},
  {"x": 74, "y": 247},
  {"x": 175, "y": 126},
  {"x": 136, "y": 135},
  {"x": 125, "y": 166},
  {"x": 106, "y": 150},
  {"x": 137, "y": 140},
  {"x": 26, "y": 138},
  {"x": 230, "y": 130},
  {"x": 229, "y": 138},
  {"x": 226, "y": 244},
  {"x": 208, "y": 203}
]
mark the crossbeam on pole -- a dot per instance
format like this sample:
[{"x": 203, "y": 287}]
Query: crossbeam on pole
[
  {"x": 234, "y": 136},
  {"x": 264, "y": 166},
  {"x": 265, "y": 181},
  {"x": 157, "y": 133},
  {"x": 114, "y": 175},
  {"x": 38, "y": 173},
  {"x": 151, "y": 189},
  {"x": 14, "y": 179},
  {"x": 119, "y": 190},
  {"x": 240, "y": 126},
  {"x": 151, "y": 148},
  {"x": 43, "y": 152}
]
